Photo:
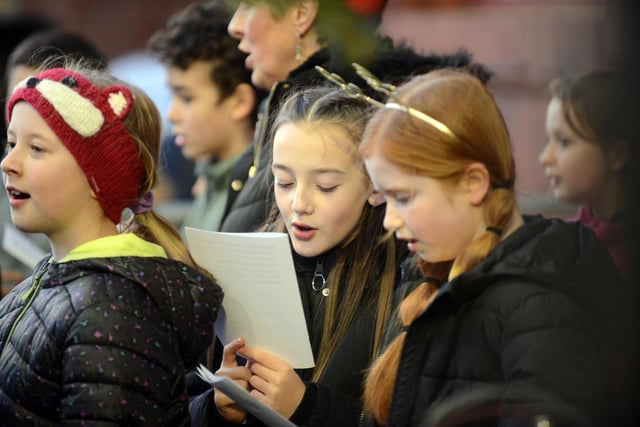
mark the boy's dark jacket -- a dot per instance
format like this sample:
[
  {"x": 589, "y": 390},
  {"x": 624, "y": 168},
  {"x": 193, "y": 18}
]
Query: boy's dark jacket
[{"x": 126, "y": 327}]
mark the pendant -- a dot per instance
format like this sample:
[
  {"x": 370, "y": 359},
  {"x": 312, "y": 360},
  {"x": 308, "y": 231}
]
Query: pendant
[{"x": 318, "y": 284}]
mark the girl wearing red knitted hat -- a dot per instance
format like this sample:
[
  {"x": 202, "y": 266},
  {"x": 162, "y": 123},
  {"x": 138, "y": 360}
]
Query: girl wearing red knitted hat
[{"x": 107, "y": 324}]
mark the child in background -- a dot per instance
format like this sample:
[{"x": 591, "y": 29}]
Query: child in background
[
  {"x": 346, "y": 271},
  {"x": 213, "y": 105},
  {"x": 588, "y": 129},
  {"x": 521, "y": 307},
  {"x": 15, "y": 27},
  {"x": 51, "y": 49},
  {"x": 119, "y": 310}
]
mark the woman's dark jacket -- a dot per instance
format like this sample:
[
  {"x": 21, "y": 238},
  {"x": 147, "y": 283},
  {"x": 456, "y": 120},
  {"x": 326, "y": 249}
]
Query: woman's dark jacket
[
  {"x": 104, "y": 341},
  {"x": 393, "y": 64},
  {"x": 542, "y": 318}
]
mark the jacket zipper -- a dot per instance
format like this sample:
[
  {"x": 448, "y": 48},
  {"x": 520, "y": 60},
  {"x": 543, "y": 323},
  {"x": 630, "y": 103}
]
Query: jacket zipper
[
  {"x": 318, "y": 282},
  {"x": 29, "y": 296}
]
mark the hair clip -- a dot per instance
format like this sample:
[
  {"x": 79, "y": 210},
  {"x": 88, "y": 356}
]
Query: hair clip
[
  {"x": 350, "y": 88},
  {"x": 391, "y": 92},
  {"x": 366, "y": 75},
  {"x": 386, "y": 88}
]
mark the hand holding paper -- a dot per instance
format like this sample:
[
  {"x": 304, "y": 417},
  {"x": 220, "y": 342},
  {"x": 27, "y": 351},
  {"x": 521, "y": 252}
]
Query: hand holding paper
[
  {"x": 273, "y": 379},
  {"x": 228, "y": 408},
  {"x": 261, "y": 411}
]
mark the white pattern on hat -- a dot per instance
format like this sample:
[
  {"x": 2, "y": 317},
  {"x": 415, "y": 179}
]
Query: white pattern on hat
[{"x": 76, "y": 110}]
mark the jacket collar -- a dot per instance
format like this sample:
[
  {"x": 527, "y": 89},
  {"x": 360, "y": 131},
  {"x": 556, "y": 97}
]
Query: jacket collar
[
  {"x": 530, "y": 254},
  {"x": 321, "y": 57}
]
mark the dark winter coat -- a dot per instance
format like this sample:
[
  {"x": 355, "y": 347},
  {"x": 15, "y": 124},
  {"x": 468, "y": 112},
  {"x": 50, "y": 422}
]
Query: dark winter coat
[
  {"x": 335, "y": 399},
  {"x": 103, "y": 341},
  {"x": 541, "y": 318}
]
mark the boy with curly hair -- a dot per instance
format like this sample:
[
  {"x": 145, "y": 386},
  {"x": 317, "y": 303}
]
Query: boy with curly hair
[{"x": 213, "y": 105}]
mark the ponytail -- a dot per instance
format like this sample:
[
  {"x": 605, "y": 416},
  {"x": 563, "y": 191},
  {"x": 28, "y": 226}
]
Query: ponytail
[
  {"x": 500, "y": 204},
  {"x": 383, "y": 371},
  {"x": 155, "y": 229},
  {"x": 499, "y": 208}
]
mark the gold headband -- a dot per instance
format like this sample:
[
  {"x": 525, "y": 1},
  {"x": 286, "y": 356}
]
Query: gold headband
[{"x": 386, "y": 88}]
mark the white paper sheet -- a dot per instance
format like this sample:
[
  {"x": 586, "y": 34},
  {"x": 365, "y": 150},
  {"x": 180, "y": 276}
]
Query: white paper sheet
[
  {"x": 242, "y": 397},
  {"x": 261, "y": 297}
]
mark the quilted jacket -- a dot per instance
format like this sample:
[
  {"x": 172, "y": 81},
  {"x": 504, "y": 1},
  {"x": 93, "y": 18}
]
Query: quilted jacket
[
  {"x": 542, "y": 318},
  {"x": 103, "y": 341}
]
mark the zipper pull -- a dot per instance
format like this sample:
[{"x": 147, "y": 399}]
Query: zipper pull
[{"x": 319, "y": 282}]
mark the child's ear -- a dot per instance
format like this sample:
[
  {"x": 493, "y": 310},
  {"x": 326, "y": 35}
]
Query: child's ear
[
  {"x": 375, "y": 198},
  {"x": 618, "y": 155},
  {"x": 244, "y": 101},
  {"x": 476, "y": 182}
]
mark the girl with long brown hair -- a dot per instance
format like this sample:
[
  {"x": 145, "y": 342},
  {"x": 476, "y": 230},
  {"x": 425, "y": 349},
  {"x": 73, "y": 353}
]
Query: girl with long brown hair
[{"x": 347, "y": 272}]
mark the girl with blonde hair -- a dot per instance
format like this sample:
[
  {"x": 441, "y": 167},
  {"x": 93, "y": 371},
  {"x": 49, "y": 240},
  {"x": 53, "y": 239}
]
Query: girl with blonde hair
[{"x": 105, "y": 328}]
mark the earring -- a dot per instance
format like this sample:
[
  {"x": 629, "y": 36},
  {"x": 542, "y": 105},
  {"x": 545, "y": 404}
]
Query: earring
[{"x": 298, "y": 49}]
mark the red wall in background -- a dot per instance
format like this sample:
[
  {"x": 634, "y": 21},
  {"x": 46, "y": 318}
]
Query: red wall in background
[
  {"x": 525, "y": 42},
  {"x": 116, "y": 26}
]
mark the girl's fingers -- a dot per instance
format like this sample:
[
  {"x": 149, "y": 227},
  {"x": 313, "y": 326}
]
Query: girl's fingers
[
  {"x": 264, "y": 358},
  {"x": 229, "y": 352},
  {"x": 239, "y": 374}
]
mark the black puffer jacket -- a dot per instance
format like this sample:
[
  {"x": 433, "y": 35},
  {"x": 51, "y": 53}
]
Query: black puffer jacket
[
  {"x": 335, "y": 399},
  {"x": 103, "y": 341},
  {"x": 542, "y": 318}
]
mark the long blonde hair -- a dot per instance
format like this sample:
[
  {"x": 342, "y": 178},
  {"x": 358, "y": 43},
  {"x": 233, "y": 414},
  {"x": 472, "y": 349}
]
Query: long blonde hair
[{"x": 463, "y": 103}]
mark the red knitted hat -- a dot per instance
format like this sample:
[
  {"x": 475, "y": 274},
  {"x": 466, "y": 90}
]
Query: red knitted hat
[{"x": 88, "y": 121}]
